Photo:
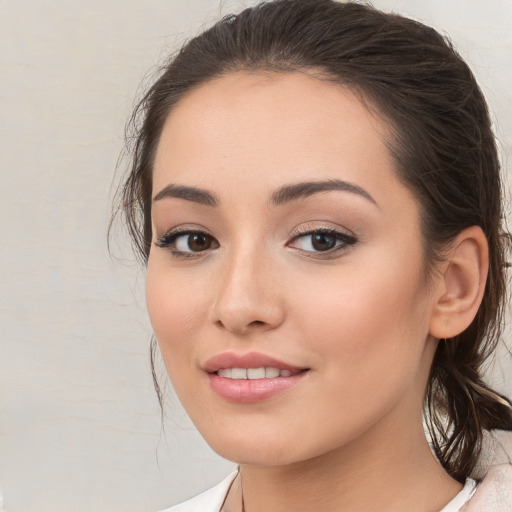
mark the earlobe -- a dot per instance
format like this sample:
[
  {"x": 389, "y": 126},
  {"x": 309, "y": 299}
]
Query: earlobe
[{"x": 461, "y": 284}]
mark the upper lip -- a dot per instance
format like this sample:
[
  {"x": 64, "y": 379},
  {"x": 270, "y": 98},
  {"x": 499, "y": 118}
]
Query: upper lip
[{"x": 249, "y": 360}]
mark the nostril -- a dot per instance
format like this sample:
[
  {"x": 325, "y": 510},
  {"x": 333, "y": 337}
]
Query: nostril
[{"x": 242, "y": 328}]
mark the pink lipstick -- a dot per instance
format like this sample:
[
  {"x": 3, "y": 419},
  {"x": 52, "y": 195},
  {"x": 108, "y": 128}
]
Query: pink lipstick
[{"x": 251, "y": 377}]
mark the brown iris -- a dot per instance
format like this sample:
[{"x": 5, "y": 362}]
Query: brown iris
[
  {"x": 198, "y": 242},
  {"x": 323, "y": 241}
]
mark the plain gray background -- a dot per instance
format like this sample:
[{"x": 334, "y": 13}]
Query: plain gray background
[{"x": 79, "y": 421}]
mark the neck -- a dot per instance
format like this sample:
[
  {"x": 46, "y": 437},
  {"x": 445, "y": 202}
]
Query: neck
[{"x": 370, "y": 473}]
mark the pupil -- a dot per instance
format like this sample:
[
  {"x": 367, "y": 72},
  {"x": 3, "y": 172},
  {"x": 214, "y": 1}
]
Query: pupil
[
  {"x": 323, "y": 242},
  {"x": 198, "y": 242}
]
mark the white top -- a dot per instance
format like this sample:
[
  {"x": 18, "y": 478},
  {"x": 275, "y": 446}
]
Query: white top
[
  {"x": 212, "y": 500},
  {"x": 462, "y": 498},
  {"x": 209, "y": 501}
]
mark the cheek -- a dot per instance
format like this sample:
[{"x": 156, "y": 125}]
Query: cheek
[
  {"x": 370, "y": 336},
  {"x": 374, "y": 323},
  {"x": 177, "y": 306}
]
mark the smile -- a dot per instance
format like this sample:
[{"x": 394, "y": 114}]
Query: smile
[
  {"x": 247, "y": 378},
  {"x": 253, "y": 373}
]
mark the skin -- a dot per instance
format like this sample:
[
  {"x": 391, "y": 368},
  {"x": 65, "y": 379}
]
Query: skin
[{"x": 349, "y": 435}]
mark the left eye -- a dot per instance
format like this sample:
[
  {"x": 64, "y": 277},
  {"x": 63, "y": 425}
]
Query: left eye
[
  {"x": 322, "y": 241},
  {"x": 187, "y": 242},
  {"x": 193, "y": 242}
]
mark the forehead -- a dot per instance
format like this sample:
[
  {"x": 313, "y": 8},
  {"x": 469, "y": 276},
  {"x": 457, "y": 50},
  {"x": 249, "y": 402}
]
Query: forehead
[{"x": 272, "y": 127}]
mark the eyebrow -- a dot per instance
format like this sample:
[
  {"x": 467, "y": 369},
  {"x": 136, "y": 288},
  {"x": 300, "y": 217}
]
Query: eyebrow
[
  {"x": 283, "y": 195},
  {"x": 302, "y": 190},
  {"x": 196, "y": 195}
]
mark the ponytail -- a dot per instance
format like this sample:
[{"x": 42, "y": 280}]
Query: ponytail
[{"x": 461, "y": 407}]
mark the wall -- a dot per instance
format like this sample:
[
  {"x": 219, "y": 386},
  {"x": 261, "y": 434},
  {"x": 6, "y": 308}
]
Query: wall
[{"x": 79, "y": 422}]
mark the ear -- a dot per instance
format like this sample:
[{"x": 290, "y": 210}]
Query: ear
[{"x": 461, "y": 283}]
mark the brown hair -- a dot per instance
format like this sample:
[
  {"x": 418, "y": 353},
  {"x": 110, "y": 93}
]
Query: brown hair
[{"x": 442, "y": 143}]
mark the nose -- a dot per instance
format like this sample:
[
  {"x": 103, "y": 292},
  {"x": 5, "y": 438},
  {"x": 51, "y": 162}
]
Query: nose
[{"x": 248, "y": 297}]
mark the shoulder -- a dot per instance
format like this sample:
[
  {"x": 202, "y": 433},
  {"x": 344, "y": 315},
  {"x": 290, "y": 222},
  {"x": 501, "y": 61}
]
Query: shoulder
[
  {"x": 494, "y": 492},
  {"x": 209, "y": 501},
  {"x": 457, "y": 503},
  {"x": 494, "y": 473}
]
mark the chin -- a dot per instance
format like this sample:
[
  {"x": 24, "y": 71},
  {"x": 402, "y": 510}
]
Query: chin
[
  {"x": 256, "y": 457},
  {"x": 253, "y": 450}
]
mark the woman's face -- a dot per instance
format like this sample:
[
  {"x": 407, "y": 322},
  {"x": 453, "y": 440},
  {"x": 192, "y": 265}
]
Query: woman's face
[{"x": 285, "y": 282}]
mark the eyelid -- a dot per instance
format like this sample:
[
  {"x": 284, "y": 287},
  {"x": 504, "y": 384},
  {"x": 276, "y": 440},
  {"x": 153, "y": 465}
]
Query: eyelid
[
  {"x": 345, "y": 239},
  {"x": 168, "y": 239},
  {"x": 180, "y": 230},
  {"x": 308, "y": 229}
]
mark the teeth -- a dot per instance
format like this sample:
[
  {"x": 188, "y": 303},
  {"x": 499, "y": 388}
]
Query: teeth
[
  {"x": 253, "y": 373},
  {"x": 271, "y": 373},
  {"x": 239, "y": 373}
]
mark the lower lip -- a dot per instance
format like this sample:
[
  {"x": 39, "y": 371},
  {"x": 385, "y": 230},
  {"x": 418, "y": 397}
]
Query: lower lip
[{"x": 249, "y": 391}]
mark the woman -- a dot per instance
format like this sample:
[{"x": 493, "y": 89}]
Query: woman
[{"x": 315, "y": 190}]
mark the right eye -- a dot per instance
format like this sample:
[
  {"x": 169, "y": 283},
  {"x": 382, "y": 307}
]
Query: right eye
[{"x": 187, "y": 243}]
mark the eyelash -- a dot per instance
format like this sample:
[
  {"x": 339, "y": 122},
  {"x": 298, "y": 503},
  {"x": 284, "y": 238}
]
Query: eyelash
[
  {"x": 342, "y": 240},
  {"x": 168, "y": 241}
]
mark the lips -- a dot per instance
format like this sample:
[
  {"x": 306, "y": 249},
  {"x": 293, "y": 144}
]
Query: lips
[
  {"x": 252, "y": 377},
  {"x": 249, "y": 360}
]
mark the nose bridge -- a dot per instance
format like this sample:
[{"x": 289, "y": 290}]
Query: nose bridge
[{"x": 247, "y": 296}]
